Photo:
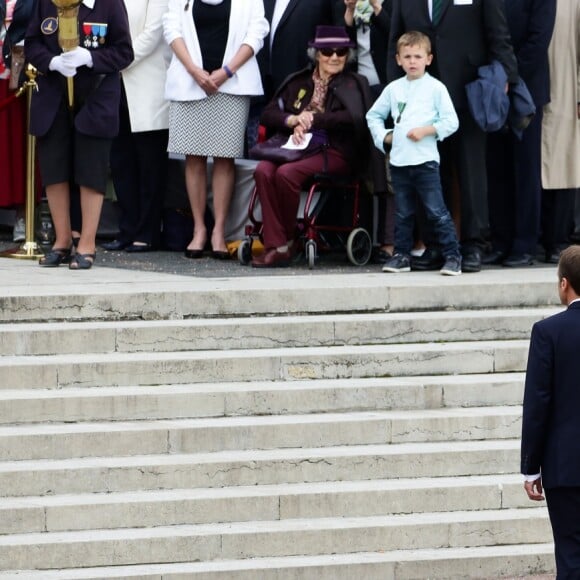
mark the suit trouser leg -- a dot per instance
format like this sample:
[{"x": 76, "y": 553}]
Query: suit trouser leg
[
  {"x": 564, "y": 509},
  {"x": 528, "y": 187},
  {"x": 467, "y": 151},
  {"x": 151, "y": 153},
  {"x": 125, "y": 174},
  {"x": 500, "y": 181}
]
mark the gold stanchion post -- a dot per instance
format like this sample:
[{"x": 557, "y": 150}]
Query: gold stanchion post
[{"x": 29, "y": 249}]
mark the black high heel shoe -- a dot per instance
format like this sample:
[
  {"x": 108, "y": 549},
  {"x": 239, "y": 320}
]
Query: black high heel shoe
[{"x": 55, "y": 257}]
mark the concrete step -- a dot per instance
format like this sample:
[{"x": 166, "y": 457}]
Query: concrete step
[
  {"x": 257, "y": 467},
  {"x": 258, "y": 398},
  {"x": 254, "y": 539},
  {"x": 100, "y": 370},
  {"x": 271, "y": 332},
  {"x": 258, "y": 503},
  {"x": 490, "y": 562},
  {"x": 148, "y": 296},
  {"x": 61, "y": 441}
]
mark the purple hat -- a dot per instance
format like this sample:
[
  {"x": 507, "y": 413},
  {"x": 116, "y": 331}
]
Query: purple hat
[{"x": 331, "y": 37}]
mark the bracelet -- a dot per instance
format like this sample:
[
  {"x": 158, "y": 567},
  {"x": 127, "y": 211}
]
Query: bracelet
[{"x": 228, "y": 71}]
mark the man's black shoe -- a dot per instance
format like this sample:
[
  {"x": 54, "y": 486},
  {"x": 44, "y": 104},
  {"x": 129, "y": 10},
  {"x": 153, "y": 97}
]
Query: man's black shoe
[
  {"x": 115, "y": 245},
  {"x": 519, "y": 260},
  {"x": 494, "y": 258},
  {"x": 471, "y": 261},
  {"x": 431, "y": 259}
]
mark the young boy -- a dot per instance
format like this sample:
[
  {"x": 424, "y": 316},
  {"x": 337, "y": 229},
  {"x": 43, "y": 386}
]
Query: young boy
[{"x": 423, "y": 113}]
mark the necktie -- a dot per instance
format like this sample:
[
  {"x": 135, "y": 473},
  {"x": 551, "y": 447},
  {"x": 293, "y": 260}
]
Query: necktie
[{"x": 436, "y": 11}]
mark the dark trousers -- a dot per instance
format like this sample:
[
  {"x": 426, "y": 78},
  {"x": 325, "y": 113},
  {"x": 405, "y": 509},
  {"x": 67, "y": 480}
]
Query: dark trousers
[
  {"x": 139, "y": 172},
  {"x": 557, "y": 218},
  {"x": 564, "y": 510},
  {"x": 279, "y": 187},
  {"x": 515, "y": 188},
  {"x": 464, "y": 152},
  {"x": 423, "y": 180}
]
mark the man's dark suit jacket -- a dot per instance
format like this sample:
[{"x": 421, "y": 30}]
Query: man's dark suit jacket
[
  {"x": 294, "y": 31},
  {"x": 551, "y": 416},
  {"x": 531, "y": 23},
  {"x": 466, "y": 37}
]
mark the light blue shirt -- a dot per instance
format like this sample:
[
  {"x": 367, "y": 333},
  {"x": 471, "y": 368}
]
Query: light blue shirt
[{"x": 413, "y": 103}]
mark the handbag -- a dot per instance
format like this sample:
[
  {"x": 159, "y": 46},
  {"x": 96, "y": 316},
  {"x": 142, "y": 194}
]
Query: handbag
[
  {"x": 272, "y": 150},
  {"x": 16, "y": 67}
]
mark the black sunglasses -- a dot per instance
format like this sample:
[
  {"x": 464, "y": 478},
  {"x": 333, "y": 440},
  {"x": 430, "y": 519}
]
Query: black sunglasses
[{"x": 330, "y": 51}]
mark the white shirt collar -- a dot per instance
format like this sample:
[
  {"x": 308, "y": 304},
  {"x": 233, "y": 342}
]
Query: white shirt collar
[{"x": 89, "y": 3}]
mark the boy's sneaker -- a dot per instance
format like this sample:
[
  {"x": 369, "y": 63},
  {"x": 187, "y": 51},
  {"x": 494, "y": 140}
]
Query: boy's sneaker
[
  {"x": 452, "y": 266},
  {"x": 398, "y": 263}
]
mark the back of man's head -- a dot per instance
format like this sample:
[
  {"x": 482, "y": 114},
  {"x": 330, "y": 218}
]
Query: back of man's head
[{"x": 569, "y": 267}]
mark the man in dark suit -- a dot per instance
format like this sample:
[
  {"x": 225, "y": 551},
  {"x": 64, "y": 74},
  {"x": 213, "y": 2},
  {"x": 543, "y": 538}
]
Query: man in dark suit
[
  {"x": 551, "y": 417},
  {"x": 514, "y": 163},
  {"x": 465, "y": 34}
]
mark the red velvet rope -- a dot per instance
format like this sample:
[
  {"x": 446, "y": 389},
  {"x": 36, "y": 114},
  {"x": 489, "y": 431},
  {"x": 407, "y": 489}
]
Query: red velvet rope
[{"x": 7, "y": 101}]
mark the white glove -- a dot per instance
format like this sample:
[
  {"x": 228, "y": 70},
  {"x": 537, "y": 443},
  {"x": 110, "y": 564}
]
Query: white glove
[
  {"x": 59, "y": 65},
  {"x": 77, "y": 57}
]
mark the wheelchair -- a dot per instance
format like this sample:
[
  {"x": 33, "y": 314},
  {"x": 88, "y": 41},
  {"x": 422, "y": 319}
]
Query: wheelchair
[{"x": 316, "y": 232}]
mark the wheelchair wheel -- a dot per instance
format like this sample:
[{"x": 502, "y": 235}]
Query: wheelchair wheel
[
  {"x": 245, "y": 252},
  {"x": 310, "y": 250},
  {"x": 359, "y": 247}
]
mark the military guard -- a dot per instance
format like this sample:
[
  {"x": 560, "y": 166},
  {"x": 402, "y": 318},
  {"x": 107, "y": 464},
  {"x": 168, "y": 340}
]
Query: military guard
[{"x": 75, "y": 131}]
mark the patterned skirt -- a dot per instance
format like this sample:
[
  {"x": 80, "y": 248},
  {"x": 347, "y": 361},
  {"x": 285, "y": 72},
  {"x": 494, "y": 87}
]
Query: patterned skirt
[{"x": 211, "y": 127}]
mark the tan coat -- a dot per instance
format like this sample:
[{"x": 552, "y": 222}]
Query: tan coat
[{"x": 561, "y": 126}]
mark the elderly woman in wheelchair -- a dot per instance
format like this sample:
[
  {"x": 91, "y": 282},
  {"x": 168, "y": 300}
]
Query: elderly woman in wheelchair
[{"x": 329, "y": 102}]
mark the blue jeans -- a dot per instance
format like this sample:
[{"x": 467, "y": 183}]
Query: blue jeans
[{"x": 424, "y": 181}]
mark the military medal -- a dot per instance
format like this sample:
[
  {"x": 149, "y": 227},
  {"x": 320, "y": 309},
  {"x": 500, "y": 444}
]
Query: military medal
[
  {"x": 94, "y": 33},
  {"x": 298, "y": 101}
]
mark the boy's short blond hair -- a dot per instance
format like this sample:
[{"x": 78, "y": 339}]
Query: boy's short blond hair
[{"x": 414, "y": 38}]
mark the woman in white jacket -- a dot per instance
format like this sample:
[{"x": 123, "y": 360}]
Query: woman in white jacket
[
  {"x": 211, "y": 77},
  {"x": 139, "y": 153}
]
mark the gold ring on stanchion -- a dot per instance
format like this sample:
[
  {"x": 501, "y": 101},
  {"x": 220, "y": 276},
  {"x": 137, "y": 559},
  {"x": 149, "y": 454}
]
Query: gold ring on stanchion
[{"x": 29, "y": 249}]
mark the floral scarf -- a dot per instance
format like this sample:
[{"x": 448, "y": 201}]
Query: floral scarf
[{"x": 318, "y": 100}]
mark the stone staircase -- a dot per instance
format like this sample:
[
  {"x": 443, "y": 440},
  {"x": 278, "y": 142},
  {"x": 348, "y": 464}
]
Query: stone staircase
[{"x": 326, "y": 427}]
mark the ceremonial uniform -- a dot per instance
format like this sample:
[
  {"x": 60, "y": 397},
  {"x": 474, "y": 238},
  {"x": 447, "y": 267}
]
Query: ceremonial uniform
[{"x": 104, "y": 30}]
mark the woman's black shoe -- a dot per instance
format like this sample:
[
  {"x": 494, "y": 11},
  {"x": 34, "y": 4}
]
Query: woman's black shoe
[
  {"x": 193, "y": 254},
  {"x": 136, "y": 248},
  {"x": 55, "y": 257}
]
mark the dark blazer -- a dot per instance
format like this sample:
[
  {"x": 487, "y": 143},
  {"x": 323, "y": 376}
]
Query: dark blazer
[
  {"x": 551, "y": 415},
  {"x": 97, "y": 89},
  {"x": 466, "y": 37},
  {"x": 531, "y": 23},
  {"x": 295, "y": 30},
  {"x": 344, "y": 120},
  {"x": 379, "y": 26}
]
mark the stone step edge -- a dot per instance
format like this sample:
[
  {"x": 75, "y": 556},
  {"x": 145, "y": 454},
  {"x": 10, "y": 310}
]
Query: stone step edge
[
  {"x": 261, "y": 491},
  {"x": 102, "y": 427},
  {"x": 286, "y": 454},
  {"x": 248, "y": 568},
  {"x": 329, "y": 318},
  {"x": 260, "y": 386},
  {"x": 282, "y": 352},
  {"x": 277, "y": 526}
]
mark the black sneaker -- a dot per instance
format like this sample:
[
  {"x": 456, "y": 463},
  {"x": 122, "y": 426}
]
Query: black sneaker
[
  {"x": 398, "y": 263},
  {"x": 452, "y": 266}
]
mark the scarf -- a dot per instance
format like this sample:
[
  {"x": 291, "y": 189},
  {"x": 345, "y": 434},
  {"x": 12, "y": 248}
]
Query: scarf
[{"x": 363, "y": 12}]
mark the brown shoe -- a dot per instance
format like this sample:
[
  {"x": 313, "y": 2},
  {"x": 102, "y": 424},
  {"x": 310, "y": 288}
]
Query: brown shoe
[{"x": 272, "y": 258}]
